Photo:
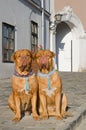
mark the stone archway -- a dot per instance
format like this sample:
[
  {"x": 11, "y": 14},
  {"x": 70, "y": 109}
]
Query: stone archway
[
  {"x": 71, "y": 22},
  {"x": 63, "y": 47}
]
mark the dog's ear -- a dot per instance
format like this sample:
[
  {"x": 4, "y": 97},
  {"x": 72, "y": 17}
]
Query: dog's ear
[
  {"x": 53, "y": 54},
  {"x": 39, "y": 53},
  {"x": 33, "y": 55},
  {"x": 29, "y": 53},
  {"x": 13, "y": 57}
]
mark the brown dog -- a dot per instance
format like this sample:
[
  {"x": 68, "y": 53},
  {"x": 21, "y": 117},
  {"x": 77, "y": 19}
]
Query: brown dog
[
  {"x": 52, "y": 101},
  {"x": 24, "y": 85}
]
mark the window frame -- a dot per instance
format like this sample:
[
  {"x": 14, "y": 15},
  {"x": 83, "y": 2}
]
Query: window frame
[
  {"x": 10, "y": 45},
  {"x": 34, "y": 34}
]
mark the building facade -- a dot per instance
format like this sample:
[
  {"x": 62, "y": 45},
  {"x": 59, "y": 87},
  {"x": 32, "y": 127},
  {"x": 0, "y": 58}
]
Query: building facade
[
  {"x": 24, "y": 24},
  {"x": 56, "y": 25},
  {"x": 68, "y": 35}
]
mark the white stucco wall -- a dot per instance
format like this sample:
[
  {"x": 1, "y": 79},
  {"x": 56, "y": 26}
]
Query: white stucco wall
[
  {"x": 78, "y": 57},
  {"x": 82, "y": 63}
]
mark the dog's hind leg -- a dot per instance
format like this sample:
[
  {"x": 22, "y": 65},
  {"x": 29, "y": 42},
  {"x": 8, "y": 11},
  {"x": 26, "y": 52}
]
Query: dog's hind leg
[{"x": 64, "y": 102}]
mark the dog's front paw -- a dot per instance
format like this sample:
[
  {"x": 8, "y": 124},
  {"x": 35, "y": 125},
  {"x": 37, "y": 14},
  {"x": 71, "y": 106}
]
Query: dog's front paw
[
  {"x": 16, "y": 119},
  {"x": 36, "y": 117},
  {"x": 59, "y": 117},
  {"x": 45, "y": 117}
]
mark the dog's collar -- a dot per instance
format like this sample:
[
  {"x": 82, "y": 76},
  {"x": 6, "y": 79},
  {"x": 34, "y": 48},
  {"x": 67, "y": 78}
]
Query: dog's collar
[
  {"x": 27, "y": 86},
  {"x": 46, "y": 75},
  {"x": 49, "y": 90},
  {"x": 30, "y": 73}
]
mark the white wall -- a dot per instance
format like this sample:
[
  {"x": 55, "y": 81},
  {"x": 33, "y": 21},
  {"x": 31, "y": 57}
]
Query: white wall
[
  {"x": 78, "y": 39},
  {"x": 82, "y": 64}
]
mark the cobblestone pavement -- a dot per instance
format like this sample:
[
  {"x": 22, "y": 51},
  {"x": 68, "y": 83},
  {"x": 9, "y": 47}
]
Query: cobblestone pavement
[
  {"x": 82, "y": 126},
  {"x": 74, "y": 85}
]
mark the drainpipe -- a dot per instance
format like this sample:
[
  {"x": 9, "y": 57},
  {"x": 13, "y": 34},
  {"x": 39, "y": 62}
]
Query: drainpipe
[{"x": 42, "y": 5}]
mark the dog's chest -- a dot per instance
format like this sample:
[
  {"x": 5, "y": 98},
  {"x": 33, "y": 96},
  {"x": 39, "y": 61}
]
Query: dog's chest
[
  {"x": 48, "y": 84},
  {"x": 23, "y": 85}
]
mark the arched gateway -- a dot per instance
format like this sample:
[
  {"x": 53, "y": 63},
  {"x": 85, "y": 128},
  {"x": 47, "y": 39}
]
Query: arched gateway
[{"x": 68, "y": 34}]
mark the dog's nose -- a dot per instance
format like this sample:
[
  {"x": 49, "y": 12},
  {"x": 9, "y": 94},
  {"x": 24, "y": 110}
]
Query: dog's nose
[
  {"x": 43, "y": 60},
  {"x": 24, "y": 60}
]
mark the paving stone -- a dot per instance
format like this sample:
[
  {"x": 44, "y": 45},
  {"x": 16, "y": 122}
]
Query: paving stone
[{"x": 74, "y": 85}]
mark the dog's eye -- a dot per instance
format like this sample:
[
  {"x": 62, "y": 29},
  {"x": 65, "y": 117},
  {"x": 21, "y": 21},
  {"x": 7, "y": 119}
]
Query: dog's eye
[
  {"x": 28, "y": 55},
  {"x": 18, "y": 56},
  {"x": 37, "y": 57},
  {"x": 48, "y": 56}
]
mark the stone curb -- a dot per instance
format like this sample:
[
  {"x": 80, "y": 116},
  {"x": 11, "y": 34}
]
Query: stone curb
[{"x": 76, "y": 120}]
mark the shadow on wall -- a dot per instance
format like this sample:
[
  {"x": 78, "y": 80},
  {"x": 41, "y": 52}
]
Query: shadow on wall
[{"x": 61, "y": 31}]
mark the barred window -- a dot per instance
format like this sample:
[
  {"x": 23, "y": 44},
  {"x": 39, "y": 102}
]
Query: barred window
[
  {"x": 34, "y": 36},
  {"x": 8, "y": 42}
]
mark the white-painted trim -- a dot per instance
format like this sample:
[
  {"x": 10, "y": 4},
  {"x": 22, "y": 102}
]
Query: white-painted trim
[{"x": 77, "y": 30}]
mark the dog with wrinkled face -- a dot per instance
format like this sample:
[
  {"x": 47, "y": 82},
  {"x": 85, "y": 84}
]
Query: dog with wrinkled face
[
  {"x": 52, "y": 101},
  {"x": 24, "y": 86}
]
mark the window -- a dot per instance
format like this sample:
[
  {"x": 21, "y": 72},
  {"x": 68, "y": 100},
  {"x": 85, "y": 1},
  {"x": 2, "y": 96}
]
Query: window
[
  {"x": 34, "y": 36},
  {"x": 8, "y": 42}
]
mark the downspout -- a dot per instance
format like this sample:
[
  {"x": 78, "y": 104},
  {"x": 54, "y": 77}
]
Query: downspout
[{"x": 42, "y": 5}]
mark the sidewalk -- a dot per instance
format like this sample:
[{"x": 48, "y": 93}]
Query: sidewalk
[{"x": 74, "y": 85}]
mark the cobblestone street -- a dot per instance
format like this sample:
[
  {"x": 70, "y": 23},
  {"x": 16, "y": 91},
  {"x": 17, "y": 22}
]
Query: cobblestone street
[{"x": 74, "y": 85}]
